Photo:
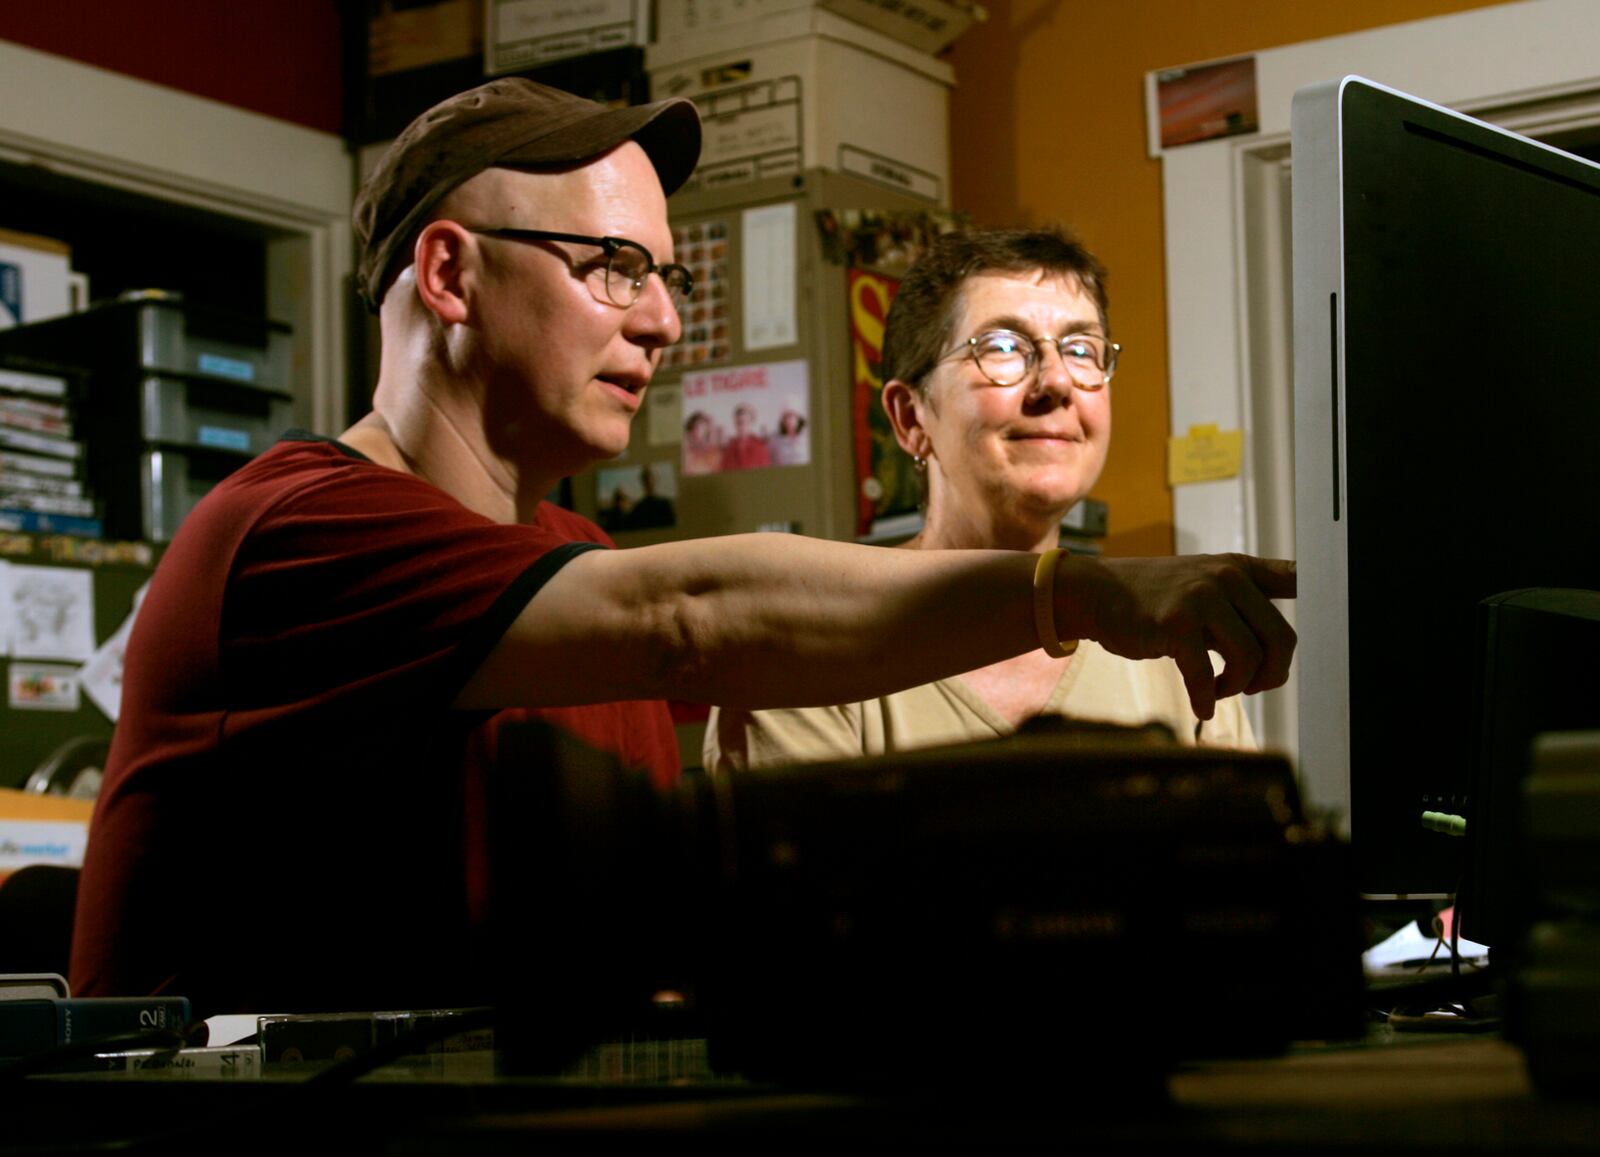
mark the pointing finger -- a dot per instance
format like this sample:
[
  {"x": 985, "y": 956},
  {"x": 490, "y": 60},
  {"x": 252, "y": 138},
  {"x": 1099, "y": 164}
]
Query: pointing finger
[{"x": 1198, "y": 677}]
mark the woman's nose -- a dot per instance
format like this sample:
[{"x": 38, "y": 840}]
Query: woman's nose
[{"x": 1052, "y": 375}]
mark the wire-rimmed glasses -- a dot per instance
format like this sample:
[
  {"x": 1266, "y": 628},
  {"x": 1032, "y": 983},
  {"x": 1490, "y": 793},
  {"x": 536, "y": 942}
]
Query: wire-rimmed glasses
[
  {"x": 628, "y": 264},
  {"x": 1006, "y": 357}
]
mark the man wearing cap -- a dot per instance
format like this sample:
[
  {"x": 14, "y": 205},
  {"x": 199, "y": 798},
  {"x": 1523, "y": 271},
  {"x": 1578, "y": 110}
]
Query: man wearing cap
[{"x": 292, "y": 810}]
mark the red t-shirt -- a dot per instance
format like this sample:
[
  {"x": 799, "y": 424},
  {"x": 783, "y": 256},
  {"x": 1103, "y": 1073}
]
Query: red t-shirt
[
  {"x": 746, "y": 452},
  {"x": 285, "y": 821}
]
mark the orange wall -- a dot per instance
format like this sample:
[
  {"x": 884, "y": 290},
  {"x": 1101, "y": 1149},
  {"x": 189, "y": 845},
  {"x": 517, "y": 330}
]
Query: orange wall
[{"x": 1048, "y": 127}]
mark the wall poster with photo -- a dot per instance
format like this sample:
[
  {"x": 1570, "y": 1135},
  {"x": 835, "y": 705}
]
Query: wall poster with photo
[
  {"x": 746, "y": 418},
  {"x": 642, "y": 497}
]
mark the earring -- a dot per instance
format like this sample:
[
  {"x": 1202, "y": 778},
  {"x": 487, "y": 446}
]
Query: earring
[{"x": 921, "y": 464}]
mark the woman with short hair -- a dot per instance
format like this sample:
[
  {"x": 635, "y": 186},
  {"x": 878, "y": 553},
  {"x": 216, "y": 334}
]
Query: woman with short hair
[{"x": 998, "y": 361}]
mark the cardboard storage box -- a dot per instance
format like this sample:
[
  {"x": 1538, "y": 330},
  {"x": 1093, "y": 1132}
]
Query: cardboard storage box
[
  {"x": 926, "y": 25},
  {"x": 405, "y": 58},
  {"x": 35, "y": 278},
  {"x": 422, "y": 35},
  {"x": 523, "y": 34},
  {"x": 816, "y": 91}
]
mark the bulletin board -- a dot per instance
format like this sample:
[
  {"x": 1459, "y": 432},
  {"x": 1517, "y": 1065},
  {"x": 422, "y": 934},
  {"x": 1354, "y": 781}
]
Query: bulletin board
[
  {"x": 65, "y": 604},
  {"x": 749, "y": 423}
]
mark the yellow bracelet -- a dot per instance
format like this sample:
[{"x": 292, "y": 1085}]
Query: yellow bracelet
[{"x": 1044, "y": 606}]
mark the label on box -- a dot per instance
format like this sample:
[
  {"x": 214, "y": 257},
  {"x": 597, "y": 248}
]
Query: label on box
[
  {"x": 524, "y": 33},
  {"x": 926, "y": 25},
  {"x": 749, "y": 132},
  {"x": 225, "y": 439},
  {"x": 885, "y": 171},
  {"x": 236, "y": 368},
  {"x": 689, "y": 17},
  {"x": 40, "y": 385}
]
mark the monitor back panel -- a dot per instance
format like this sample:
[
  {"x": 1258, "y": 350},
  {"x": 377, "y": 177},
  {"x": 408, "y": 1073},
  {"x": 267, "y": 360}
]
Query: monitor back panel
[{"x": 1447, "y": 404}]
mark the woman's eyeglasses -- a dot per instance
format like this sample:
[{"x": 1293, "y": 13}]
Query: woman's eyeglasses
[{"x": 1007, "y": 357}]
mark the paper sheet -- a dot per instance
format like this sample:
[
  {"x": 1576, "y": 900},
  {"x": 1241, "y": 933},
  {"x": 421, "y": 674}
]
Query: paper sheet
[
  {"x": 1204, "y": 454},
  {"x": 50, "y": 611},
  {"x": 102, "y": 674},
  {"x": 1410, "y": 946},
  {"x": 768, "y": 277},
  {"x": 664, "y": 415}
]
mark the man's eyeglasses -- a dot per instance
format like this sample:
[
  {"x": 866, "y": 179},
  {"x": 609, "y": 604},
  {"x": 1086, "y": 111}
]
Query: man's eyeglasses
[
  {"x": 628, "y": 265},
  {"x": 1007, "y": 357}
]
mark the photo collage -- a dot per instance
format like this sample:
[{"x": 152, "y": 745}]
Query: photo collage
[{"x": 702, "y": 248}]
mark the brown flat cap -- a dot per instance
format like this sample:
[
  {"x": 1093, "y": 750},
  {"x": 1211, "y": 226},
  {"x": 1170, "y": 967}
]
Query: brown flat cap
[{"x": 511, "y": 122}]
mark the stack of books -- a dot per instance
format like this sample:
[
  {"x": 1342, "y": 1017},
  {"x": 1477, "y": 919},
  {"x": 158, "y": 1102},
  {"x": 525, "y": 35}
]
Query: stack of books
[{"x": 41, "y": 461}]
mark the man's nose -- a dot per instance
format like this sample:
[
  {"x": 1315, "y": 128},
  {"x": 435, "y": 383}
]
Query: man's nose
[{"x": 654, "y": 317}]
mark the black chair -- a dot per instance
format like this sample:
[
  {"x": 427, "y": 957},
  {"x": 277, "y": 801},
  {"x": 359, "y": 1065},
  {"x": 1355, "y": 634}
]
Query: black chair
[
  {"x": 37, "y": 901},
  {"x": 36, "y": 907},
  {"x": 74, "y": 769}
]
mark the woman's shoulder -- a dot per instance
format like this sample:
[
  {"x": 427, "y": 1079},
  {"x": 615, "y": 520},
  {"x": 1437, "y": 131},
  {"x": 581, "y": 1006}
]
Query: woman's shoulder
[{"x": 739, "y": 739}]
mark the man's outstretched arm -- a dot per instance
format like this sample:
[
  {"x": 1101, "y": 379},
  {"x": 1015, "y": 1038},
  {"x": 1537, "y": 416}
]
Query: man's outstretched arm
[{"x": 777, "y": 621}]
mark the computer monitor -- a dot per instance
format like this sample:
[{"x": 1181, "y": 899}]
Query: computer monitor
[
  {"x": 1447, "y": 442},
  {"x": 1536, "y": 675}
]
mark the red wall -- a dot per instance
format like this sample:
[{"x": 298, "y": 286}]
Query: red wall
[{"x": 278, "y": 57}]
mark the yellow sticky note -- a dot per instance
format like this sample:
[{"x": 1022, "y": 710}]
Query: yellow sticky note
[{"x": 1203, "y": 454}]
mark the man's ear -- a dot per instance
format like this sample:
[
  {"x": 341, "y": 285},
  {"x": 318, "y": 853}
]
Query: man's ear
[
  {"x": 442, "y": 261},
  {"x": 905, "y": 407}
]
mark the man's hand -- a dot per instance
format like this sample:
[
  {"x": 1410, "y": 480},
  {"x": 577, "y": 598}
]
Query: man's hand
[{"x": 1146, "y": 608}]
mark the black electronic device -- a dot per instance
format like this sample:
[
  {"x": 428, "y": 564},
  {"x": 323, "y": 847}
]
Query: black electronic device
[
  {"x": 975, "y": 915},
  {"x": 1447, "y": 442},
  {"x": 1536, "y": 675}
]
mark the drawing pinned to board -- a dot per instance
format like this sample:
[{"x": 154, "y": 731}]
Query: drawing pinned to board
[
  {"x": 49, "y": 611},
  {"x": 746, "y": 418}
]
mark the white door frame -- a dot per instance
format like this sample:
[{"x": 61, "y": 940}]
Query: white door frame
[
  {"x": 1533, "y": 67},
  {"x": 293, "y": 183}
]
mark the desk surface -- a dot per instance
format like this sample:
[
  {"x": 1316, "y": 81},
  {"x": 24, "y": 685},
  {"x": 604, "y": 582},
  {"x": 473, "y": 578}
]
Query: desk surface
[{"x": 1427, "y": 1094}]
